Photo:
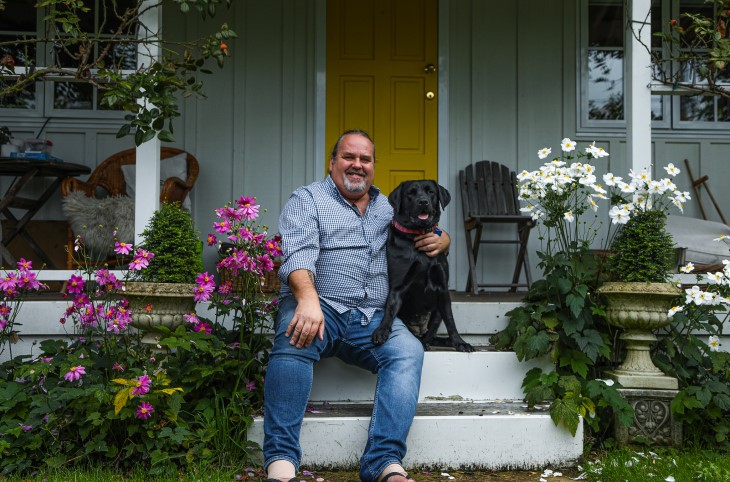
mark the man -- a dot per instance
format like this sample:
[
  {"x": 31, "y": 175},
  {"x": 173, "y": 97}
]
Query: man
[{"x": 335, "y": 284}]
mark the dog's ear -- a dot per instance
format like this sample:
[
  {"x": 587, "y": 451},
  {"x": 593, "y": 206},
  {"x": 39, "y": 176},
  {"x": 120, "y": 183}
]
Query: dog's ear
[
  {"x": 444, "y": 196},
  {"x": 394, "y": 197}
]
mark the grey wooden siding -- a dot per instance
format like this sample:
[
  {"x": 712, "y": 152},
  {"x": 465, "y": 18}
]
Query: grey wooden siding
[{"x": 511, "y": 90}]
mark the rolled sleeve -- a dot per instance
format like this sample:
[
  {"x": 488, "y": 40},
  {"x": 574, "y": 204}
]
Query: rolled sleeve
[{"x": 299, "y": 229}]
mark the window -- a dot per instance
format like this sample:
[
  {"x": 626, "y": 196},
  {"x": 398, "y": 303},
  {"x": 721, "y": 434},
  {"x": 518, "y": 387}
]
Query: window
[
  {"x": 602, "y": 86},
  {"x": 22, "y": 20}
]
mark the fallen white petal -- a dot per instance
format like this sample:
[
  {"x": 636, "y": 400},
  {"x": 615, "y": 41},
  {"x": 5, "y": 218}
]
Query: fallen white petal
[{"x": 670, "y": 479}]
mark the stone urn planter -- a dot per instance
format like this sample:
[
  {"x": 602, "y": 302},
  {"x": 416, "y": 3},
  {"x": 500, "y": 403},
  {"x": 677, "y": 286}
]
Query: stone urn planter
[
  {"x": 639, "y": 308},
  {"x": 158, "y": 304}
]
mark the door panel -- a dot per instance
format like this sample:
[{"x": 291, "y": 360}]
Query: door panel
[{"x": 378, "y": 53}]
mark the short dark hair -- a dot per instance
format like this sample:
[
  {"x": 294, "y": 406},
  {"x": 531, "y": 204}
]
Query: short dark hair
[{"x": 358, "y": 132}]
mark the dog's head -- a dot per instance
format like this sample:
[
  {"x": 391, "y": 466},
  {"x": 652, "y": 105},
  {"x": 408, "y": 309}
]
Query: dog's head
[{"x": 418, "y": 204}]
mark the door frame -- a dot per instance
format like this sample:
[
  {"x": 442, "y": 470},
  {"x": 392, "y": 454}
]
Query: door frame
[{"x": 320, "y": 96}]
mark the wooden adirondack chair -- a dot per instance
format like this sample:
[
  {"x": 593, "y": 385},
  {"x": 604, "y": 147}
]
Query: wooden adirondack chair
[{"x": 489, "y": 196}]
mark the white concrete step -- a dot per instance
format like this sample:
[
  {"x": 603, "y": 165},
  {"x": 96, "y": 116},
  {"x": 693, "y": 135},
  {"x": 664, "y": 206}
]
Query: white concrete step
[
  {"x": 447, "y": 375},
  {"x": 478, "y": 435}
]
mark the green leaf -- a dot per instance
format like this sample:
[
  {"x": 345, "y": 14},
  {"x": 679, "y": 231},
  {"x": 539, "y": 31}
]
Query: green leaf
[
  {"x": 565, "y": 412},
  {"x": 564, "y": 285},
  {"x": 165, "y": 136},
  {"x": 576, "y": 303}
]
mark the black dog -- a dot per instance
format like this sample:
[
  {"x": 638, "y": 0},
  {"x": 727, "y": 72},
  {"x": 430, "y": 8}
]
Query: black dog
[{"x": 419, "y": 284}]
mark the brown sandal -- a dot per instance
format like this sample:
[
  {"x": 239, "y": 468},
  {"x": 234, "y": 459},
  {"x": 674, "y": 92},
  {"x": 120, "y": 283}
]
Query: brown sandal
[{"x": 394, "y": 474}]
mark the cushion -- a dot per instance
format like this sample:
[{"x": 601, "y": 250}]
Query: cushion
[
  {"x": 175, "y": 166},
  {"x": 96, "y": 219},
  {"x": 697, "y": 236}
]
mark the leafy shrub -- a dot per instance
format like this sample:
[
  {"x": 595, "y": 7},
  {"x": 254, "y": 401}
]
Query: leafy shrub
[
  {"x": 102, "y": 397},
  {"x": 172, "y": 237}
]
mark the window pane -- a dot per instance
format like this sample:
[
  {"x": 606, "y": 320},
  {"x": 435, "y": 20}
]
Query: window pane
[
  {"x": 19, "y": 16},
  {"x": 656, "y": 24},
  {"x": 123, "y": 56},
  {"x": 22, "y": 100},
  {"x": 23, "y": 54},
  {"x": 605, "y": 25},
  {"x": 605, "y": 85},
  {"x": 111, "y": 12},
  {"x": 696, "y": 108},
  {"x": 657, "y": 107},
  {"x": 723, "y": 109},
  {"x": 72, "y": 95}
]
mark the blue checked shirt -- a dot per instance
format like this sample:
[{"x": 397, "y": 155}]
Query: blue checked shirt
[{"x": 323, "y": 233}]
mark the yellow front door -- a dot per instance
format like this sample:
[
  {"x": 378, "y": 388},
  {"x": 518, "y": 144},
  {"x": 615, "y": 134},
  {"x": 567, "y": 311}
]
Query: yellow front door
[{"x": 381, "y": 78}]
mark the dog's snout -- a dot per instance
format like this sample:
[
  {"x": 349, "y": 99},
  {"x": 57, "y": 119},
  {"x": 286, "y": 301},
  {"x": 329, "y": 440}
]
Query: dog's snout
[{"x": 424, "y": 201}]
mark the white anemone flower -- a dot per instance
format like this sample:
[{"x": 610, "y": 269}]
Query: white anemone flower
[
  {"x": 587, "y": 180},
  {"x": 599, "y": 188},
  {"x": 692, "y": 295},
  {"x": 569, "y": 216},
  {"x": 679, "y": 205},
  {"x": 715, "y": 278},
  {"x": 687, "y": 268},
  {"x": 596, "y": 151},
  {"x": 567, "y": 145},
  {"x": 525, "y": 174},
  {"x": 593, "y": 204},
  {"x": 544, "y": 152},
  {"x": 674, "y": 310},
  {"x": 618, "y": 215},
  {"x": 722, "y": 237},
  {"x": 625, "y": 187},
  {"x": 714, "y": 343},
  {"x": 610, "y": 179},
  {"x": 671, "y": 170}
]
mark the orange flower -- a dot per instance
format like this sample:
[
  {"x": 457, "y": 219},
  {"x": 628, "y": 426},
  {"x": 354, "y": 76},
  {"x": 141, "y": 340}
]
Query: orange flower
[
  {"x": 224, "y": 48},
  {"x": 148, "y": 308}
]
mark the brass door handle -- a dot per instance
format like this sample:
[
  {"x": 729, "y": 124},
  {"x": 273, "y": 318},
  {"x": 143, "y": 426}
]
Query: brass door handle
[{"x": 430, "y": 95}]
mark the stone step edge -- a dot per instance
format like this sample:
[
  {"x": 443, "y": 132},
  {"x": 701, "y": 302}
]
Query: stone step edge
[{"x": 319, "y": 411}]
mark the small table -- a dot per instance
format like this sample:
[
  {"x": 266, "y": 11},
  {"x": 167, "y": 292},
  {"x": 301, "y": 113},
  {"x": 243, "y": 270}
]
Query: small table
[{"x": 25, "y": 170}]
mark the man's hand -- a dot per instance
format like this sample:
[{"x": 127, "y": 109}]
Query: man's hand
[
  {"x": 432, "y": 244},
  {"x": 308, "y": 319}
]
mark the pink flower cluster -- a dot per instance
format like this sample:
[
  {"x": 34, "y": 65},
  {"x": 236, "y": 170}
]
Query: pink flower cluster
[
  {"x": 142, "y": 385},
  {"x": 13, "y": 284},
  {"x": 252, "y": 252},
  {"x": 114, "y": 316},
  {"x": 141, "y": 259},
  {"x": 75, "y": 373}
]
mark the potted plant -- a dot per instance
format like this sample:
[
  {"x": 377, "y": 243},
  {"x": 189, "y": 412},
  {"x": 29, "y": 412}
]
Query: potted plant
[
  {"x": 642, "y": 256},
  {"x": 163, "y": 272}
]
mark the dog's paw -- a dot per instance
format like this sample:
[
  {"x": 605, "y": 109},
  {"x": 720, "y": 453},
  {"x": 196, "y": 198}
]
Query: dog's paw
[
  {"x": 380, "y": 336},
  {"x": 462, "y": 346}
]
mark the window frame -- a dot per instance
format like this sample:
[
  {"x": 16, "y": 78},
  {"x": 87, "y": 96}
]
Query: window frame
[
  {"x": 45, "y": 89},
  {"x": 670, "y": 103}
]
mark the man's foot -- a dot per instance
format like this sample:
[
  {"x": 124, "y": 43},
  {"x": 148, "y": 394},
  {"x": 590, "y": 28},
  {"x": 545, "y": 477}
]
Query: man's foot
[{"x": 396, "y": 477}]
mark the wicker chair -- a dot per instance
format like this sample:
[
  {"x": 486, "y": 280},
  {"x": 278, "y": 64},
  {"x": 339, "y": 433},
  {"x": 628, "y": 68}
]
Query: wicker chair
[{"x": 108, "y": 178}]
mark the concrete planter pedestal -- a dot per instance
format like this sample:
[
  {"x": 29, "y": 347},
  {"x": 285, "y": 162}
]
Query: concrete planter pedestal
[
  {"x": 639, "y": 308},
  {"x": 158, "y": 304}
]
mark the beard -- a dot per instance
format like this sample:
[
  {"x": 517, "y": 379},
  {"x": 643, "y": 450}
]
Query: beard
[{"x": 354, "y": 187}]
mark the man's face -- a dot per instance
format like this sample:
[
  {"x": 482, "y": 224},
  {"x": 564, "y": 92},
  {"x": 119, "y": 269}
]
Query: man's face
[{"x": 353, "y": 168}]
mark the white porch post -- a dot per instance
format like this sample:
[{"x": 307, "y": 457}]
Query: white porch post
[
  {"x": 638, "y": 89},
  {"x": 147, "y": 183}
]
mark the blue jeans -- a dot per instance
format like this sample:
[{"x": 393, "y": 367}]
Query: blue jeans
[{"x": 398, "y": 363}]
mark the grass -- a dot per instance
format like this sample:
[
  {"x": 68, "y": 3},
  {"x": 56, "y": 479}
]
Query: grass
[
  {"x": 660, "y": 465},
  {"x": 621, "y": 465}
]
